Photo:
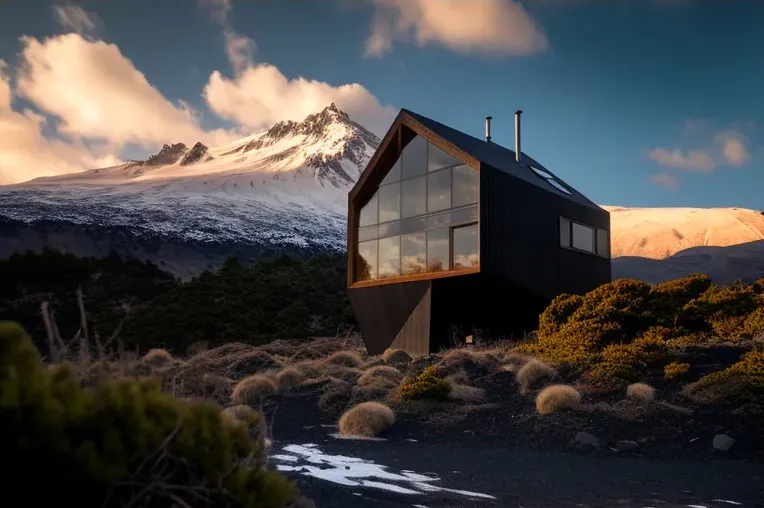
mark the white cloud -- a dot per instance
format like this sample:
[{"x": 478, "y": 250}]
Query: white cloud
[
  {"x": 665, "y": 180},
  {"x": 96, "y": 92},
  {"x": 734, "y": 148},
  {"x": 261, "y": 95},
  {"x": 692, "y": 160},
  {"x": 494, "y": 27},
  {"x": 26, "y": 153},
  {"x": 239, "y": 49},
  {"x": 76, "y": 19}
]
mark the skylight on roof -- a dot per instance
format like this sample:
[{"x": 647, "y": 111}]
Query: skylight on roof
[{"x": 549, "y": 177}]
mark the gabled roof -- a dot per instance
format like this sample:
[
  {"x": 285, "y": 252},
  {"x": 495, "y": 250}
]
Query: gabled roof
[{"x": 491, "y": 154}]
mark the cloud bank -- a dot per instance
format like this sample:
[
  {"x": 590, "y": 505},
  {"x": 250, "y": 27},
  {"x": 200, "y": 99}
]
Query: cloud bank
[{"x": 490, "y": 27}]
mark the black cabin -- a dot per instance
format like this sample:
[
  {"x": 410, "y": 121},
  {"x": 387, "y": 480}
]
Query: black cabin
[{"x": 450, "y": 236}]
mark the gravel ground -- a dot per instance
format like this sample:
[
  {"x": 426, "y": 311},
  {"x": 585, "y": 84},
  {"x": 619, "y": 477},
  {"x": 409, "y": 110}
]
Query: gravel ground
[
  {"x": 400, "y": 471},
  {"x": 413, "y": 467}
]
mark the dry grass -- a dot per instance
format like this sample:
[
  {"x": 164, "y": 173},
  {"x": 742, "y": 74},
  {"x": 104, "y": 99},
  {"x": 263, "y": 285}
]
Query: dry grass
[
  {"x": 641, "y": 392},
  {"x": 396, "y": 356},
  {"x": 238, "y": 413},
  {"x": 253, "y": 389},
  {"x": 385, "y": 372},
  {"x": 345, "y": 359},
  {"x": 311, "y": 368},
  {"x": 465, "y": 393},
  {"x": 366, "y": 419},
  {"x": 347, "y": 374},
  {"x": 513, "y": 362},
  {"x": 289, "y": 378},
  {"x": 556, "y": 397},
  {"x": 533, "y": 373},
  {"x": 335, "y": 397},
  {"x": 158, "y": 358}
]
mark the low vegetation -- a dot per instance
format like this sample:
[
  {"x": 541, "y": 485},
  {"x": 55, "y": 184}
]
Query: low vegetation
[
  {"x": 123, "y": 442},
  {"x": 282, "y": 298},
  {"x": 368, "y": 419},
  {"x": 556, "y": 397},
  {"x": 426, "y": 385}
]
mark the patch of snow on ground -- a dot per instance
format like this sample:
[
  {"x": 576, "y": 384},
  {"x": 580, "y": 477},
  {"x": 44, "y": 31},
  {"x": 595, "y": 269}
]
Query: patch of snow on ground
[{"x": 356, "y": 472}]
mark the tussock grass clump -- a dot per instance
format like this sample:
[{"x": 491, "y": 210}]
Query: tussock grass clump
[
  {"x": 335, "y": 397},
  {"x": 383, "y": 372},
  {"x": 311, "y": 368},
  {"x": 474, "y": 362},
  {"x": 158, "y": 358},
  {"x": 556, "y": 397},
  {"x": 426, "y": 385},
  {"x": 347, "y": 374},
  {"x": 366, "y": 419},
  {"x": 121, "y": 443},
  {"x": 675, "y": 371},
  {"x": 396, "y": 356},
  {"x": 345, "y": 359},
  {"x": 641, "y": 392},
  {"x": 533, "y": 373},
  {"x": 238, "y": 413},
  {"x": 466, "y": 393},
  {"x": 253, "y": 389},
  {"x": 253, "y": 362},
  {"x": 289, "y": 378}
]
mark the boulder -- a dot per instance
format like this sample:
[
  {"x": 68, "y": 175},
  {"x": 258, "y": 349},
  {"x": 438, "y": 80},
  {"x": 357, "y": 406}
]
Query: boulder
[{"x": 723, "y": 442}]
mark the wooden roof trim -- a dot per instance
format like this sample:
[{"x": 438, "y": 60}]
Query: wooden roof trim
[
  {"x": 392, "y": 135},
  {"x": 404, "y": 119},
  {"x": 441, "y": 143}
]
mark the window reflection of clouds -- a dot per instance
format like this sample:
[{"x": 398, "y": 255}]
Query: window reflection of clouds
[
  {"x": 389, "y": 257},
  {"x": 414, "y": 253},
  {"x": 466, "y": 247}
]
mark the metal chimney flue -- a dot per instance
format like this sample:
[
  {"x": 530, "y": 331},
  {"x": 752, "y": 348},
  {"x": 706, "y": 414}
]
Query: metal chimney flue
[
  {"x": 488, "y": 128},
  {"x": 517, "y": 135}
]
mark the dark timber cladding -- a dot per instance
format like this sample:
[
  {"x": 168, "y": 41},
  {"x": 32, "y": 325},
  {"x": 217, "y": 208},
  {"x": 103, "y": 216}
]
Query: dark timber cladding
[{"x": 450, "y": 235}]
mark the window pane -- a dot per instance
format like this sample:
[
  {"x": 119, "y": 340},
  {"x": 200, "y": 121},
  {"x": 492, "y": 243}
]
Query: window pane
[
  {"x": 437, "y": 250},
  {"x": 414, "y": 197},
  {"x": 394, "y": 175},
  {"x": 603, "y": 243},
  {"x": 452, "y": 217},
  {"x": 438, "y": 159},
  {"x": 368, "y": 233},
  {"x": 466, "y": 181},
  {"x": 366, "y": 261},
  {"x": 564, "y": 232},
  {"x": 466, "y": 247},
  {"x": 413, "y": 225},
  {"x": 413, "y": 253},
  {"x": 583, "y": 238},
  {"x": 389, "y": 229},
  {"x": 439, "y": 191},
  {"x": 389, "y": 257},
  {"x": 389, "y": 202},
  {"x": 369, "y": 213},
  {"x": 414, "y": 158}
]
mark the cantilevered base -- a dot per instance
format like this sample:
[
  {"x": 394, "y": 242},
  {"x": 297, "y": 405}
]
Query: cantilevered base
[{"x": 424, "y": 316}]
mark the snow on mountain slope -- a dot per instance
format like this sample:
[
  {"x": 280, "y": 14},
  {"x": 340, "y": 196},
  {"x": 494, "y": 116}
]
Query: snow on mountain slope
[
  {"x": 657, "y": 244},
  {"x": 284, "y": 186}
]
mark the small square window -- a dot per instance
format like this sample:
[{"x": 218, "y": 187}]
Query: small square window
[{"x": 583, "y": 238}]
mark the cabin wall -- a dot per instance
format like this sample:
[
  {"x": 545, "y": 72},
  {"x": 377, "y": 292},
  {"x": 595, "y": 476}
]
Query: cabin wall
[
  {"x": 520, "y": 237},
  {"x": 518, "y": 232}
]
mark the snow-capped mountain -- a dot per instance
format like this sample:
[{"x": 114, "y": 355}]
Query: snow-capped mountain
[{"x": 280, "y": 190}]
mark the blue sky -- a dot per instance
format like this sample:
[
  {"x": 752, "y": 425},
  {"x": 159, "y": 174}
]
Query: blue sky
[{"x": 635, "y": 103}]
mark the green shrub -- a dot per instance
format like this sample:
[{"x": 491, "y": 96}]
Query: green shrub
[
  {"x": 722, "y": 310},
  {"x": 122, "y": 440},
  {"x": 743, "y": 380},
  {"x": 425, "y": 385},
  {"x": 675, "y": 370},
  {"x": 668, "y": 297}
]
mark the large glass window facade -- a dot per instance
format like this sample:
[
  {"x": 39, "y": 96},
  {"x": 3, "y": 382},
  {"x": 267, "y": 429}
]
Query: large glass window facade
[{"x": 422, "y": 218}]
